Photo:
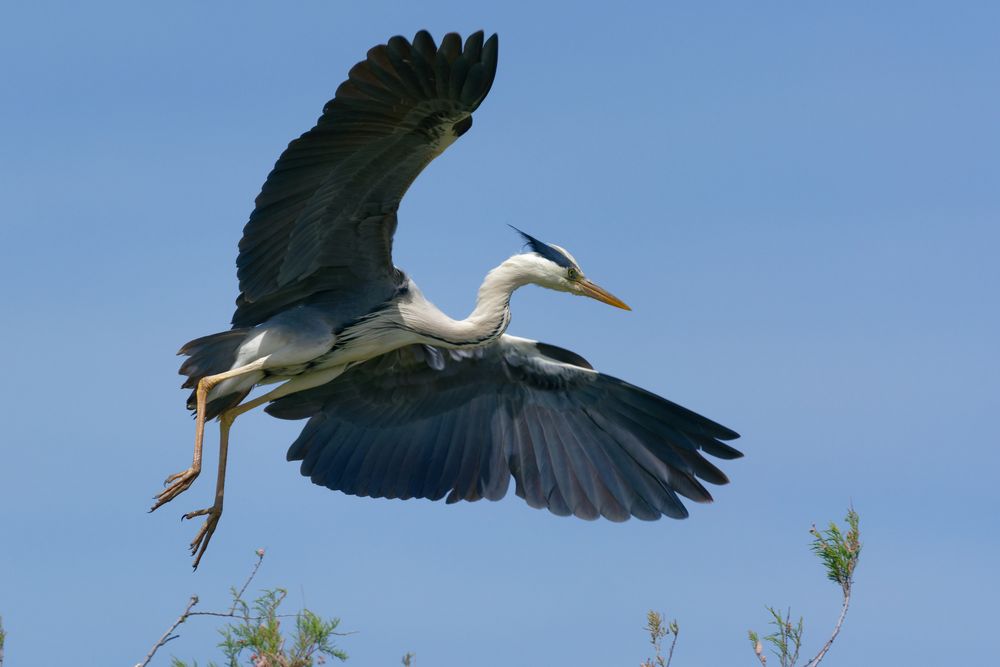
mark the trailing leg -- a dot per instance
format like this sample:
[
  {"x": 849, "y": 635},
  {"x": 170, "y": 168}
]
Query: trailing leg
[
  {"x": 214, "y": 513},
  {"x": 180, "y": 482}
]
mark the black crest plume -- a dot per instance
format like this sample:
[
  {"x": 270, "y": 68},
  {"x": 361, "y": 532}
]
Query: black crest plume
[{"x": 545, "y": 250}]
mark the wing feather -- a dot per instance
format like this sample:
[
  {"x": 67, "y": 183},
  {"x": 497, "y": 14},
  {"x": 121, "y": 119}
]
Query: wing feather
[
  {"x": 574, "y": 476},
  {"x": 613, "y": 498},
  {"x": 447, "y": 472}
]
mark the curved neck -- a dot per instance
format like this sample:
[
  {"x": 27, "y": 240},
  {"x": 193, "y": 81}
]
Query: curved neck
[{"x": 490, "y": 317}]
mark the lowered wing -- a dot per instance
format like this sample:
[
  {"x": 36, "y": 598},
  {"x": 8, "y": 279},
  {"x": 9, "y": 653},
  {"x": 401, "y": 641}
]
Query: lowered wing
[{"x": 424, "y": 422}]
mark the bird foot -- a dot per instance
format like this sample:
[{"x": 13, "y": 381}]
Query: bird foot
[
  {"x": 178, "y": 483},
  {"x": 200, "y": 543}
]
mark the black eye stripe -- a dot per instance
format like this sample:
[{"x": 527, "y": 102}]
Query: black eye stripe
[{"x": 546, "y": 251}]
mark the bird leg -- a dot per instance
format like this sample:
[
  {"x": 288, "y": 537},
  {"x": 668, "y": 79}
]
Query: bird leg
[
  {"x": 226, "y": 419},
  {"x": 201, "y": 540},
  {"x": 200, "y": 543},
  {"x": 182, "y": 481}
]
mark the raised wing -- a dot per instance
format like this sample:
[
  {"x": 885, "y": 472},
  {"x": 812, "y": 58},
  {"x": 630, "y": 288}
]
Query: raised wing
[
  {"x": 425, "y": 422},
  {"x": 324, "y": 220}
]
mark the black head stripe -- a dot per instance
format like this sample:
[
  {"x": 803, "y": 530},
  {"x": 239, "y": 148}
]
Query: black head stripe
[{"x": 545, "y": 250}]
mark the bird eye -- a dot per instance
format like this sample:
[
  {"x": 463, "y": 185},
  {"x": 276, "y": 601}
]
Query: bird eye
[{"x": 573, "y": 274}]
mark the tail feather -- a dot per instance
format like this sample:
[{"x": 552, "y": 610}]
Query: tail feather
[{"x": 210, "y": 355}]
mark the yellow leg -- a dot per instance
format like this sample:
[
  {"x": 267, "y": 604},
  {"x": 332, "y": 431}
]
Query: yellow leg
[
  {"x": 182, "y": 481},
  {"x": 200, "y": 543},
  {"x": 201, "y": 540}
]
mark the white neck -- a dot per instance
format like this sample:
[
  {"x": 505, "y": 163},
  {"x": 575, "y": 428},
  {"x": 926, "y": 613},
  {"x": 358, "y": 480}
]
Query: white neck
[{"x": 490, "y": 317}]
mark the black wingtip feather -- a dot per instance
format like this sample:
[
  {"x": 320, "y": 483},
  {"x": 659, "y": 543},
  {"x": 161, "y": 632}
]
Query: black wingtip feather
[
  {"x": 399, "y": 45},
  {"x": 489, "y": 59},
  {"x": 451, "y": 46},
  {"x": 459, "y": 72},
  {"x": 474, "y": 46},
  {"x": 716, "y": 448},
  {"x": 423, "y": 44},
  {"x": 472, "y": 89}
]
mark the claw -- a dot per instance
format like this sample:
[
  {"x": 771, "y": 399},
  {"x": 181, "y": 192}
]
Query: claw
[
  {"x": 200, "y": 543},
  {"x": 181, "y": 482},
  {"x": 191, "y": 515},
  {"x": 177, "y": 475}
]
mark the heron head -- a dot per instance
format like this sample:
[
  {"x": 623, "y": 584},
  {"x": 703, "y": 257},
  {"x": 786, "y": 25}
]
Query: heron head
[{"x": 558, "y": 270}]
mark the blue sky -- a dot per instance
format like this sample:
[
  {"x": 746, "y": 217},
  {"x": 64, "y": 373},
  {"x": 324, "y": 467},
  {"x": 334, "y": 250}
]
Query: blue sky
[{"x": 799, "y": 200}]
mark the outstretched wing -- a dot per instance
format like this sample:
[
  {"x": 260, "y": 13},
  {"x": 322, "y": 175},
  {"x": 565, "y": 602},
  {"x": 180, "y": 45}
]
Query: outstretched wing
[
  {"x": 324, "y": 220},
  {"x": 425, "y": 422}
]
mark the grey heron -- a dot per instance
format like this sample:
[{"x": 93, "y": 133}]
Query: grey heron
[{"x": 402, "y": 400}]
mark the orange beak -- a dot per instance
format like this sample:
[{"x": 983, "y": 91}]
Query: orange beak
[{"x": 601, "y": 294}]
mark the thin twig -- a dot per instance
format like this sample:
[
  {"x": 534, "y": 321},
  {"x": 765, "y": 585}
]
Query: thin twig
[
  {"x": 670, "y": 654},
  {"x": 836, "y": 628},
  {"x": 253, "y": 573},
  {"x": 168, "y": 635},
  {"x": 758, "y": 647},
  {"x": 758, "y": 650}
]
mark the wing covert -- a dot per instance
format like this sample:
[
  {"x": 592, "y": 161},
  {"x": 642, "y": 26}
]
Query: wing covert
[{"x": 324, "y": 220}]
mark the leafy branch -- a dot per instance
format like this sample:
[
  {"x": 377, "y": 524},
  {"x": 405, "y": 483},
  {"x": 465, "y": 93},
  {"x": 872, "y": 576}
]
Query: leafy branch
[
  {"x": 259, "y": 631},
  {"x": 839, "y": 552},
  {"x": 261, "y": 635},
  {"x": 658, "y": 630},
  {"x": 786, "y": 640}
]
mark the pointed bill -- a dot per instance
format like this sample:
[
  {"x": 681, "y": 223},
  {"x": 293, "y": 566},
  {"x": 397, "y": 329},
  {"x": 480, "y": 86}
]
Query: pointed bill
[{"x": 601, "y": 294}]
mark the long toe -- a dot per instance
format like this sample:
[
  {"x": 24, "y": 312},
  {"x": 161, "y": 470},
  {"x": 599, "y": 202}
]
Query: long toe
[
  {"x": 181, "y": 482},
  {"x": 176, "y": 476},
  {"x": 191, "y": 515},
  {"x": 200, "y": 543}
]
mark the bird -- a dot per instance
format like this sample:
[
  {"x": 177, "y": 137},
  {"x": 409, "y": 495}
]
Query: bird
[{"x": 403, "y": 401}]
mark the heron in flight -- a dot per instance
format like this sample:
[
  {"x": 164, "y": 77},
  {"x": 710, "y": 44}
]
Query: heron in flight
[{"x": 402, "y": 400}]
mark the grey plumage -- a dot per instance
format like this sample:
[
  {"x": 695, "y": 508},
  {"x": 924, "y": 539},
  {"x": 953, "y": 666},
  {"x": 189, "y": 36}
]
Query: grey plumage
[
  {"x": 402, "y": 400},
  {"x": 210, "y": 355}
]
